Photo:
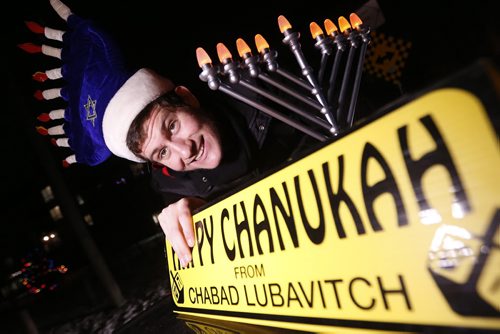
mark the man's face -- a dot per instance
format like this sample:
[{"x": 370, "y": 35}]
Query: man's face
[{"x": 182, "y": 139}]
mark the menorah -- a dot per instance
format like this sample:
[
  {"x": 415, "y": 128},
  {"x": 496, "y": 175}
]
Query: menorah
[{"x": 299, "y": 101}]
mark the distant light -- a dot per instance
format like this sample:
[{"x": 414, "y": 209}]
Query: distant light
[
  {"x": 155, "y": 218},
  {"x": 56, "y": 213},
  {"x": 121, "y": 181},
  {"x": 79, "y": 200},
  {"x": 16, "y": 273},
  {"x": 45, "y": 238},
  {"x": 35, "y": 290},
  {"x": 52, "y": 235},
  {"x": 88, "y": 219},
  {"x": 47, "y": 194}
]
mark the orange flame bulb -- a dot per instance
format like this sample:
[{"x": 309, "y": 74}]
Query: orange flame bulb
[
  {"x": 242, "y": 47},
  {"x": 202, "y": 57},
  {"x": 330, "y": 27},
  {"x": 344, "y": 24},
  {"x": 283, "y": 24},
  {"x": 355, "y": 21},
  {"x": 223, "y": 53},
  {"x": 261, "y": 43},
  {"x": 315, "y": 30}
]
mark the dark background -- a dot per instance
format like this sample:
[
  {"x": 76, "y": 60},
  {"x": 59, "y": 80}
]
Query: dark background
[{"x": 446, "y": 36}]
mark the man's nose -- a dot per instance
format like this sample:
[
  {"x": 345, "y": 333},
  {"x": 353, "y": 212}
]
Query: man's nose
[{"x": 184, "y": 148}]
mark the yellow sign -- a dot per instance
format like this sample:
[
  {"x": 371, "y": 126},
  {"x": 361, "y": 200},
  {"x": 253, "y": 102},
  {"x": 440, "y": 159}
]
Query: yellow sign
[{"x": 393, "y": 226}]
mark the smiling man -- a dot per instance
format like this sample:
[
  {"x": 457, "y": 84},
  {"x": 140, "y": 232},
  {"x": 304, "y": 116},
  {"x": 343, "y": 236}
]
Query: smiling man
[
  {"x": 201, "y": 153},
  {"x": 174, "y": 134}
]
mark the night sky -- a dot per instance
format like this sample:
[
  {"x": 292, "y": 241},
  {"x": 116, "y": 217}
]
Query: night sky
[{"x": 445, "y": 35}]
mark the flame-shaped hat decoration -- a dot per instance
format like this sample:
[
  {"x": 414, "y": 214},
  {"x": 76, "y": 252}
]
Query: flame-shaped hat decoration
[{"x": 103, "y": 96}]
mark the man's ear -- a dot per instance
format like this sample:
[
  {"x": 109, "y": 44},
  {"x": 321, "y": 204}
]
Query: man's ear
[{"x": 187, "y": 96}]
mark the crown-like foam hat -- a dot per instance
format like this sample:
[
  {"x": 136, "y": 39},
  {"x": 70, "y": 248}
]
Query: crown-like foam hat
[{"x": 103, "y": 96}]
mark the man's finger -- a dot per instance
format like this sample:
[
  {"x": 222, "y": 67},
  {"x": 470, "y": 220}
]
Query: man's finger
[
  {"x": 186, "y": 222},
  {"x": 181, "y": 248}
]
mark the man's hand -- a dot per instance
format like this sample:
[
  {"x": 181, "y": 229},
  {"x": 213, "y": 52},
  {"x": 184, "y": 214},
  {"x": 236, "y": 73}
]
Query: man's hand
[{"x": 176, "y": 222}]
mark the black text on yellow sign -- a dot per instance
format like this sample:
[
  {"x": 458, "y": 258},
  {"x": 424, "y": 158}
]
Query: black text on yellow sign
[{"x": 397, "y": 222}]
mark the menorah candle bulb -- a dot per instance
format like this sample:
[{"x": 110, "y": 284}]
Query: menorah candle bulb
[
  {"x": 344, "y": 25},
  {"x": 361, "y": 28},
  {"x": 322, "y": 43},
  {"x": 249, "y": 60},
  {"x": 208, "y": 74},
  {"x": 223, "y": 53},
  {"x": 267, "y": 56},
  {"x": 226, "y": 58}
]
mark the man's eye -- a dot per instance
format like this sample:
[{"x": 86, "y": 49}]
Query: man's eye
[
  {"x": 172, "y": 126},
  {"x": 163, "y": 152}
]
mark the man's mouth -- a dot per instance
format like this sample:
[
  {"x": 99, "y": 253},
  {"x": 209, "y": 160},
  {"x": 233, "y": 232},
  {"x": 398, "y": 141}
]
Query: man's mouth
[{"x": 201, "y": 150}]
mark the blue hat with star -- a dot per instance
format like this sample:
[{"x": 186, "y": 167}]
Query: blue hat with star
[{"x": 103, "y": 96}]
